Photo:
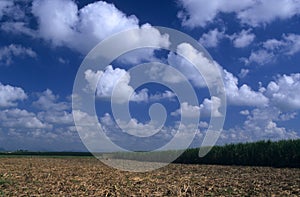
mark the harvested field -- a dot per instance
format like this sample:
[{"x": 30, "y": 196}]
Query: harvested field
[{"x": 38, "y": 176}]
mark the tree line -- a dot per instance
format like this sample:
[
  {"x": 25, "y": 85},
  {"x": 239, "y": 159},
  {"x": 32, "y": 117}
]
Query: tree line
[{"x": 285, "y": 153}]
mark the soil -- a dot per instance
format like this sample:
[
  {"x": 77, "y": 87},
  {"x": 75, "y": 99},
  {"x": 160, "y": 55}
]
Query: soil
[{"x": 38, "y": 176}]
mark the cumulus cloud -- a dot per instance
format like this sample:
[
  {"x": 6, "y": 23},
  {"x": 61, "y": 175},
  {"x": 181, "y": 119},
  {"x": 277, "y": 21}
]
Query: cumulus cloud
[
  {"x": 92, "y": 77},
  {"x": 118, "y": 80},
  {"x": 63, "y": 24},
  {"x": 207, "y": 67},
  {"x": 56, "y": 118},
  {"x": 236, "y": 94},
  {"x": 284, "y": 92},
  {"x": 136, "y": 128},
  {"x": 243, "y": 73},
  {"x": 17, "y": 118},
  {"x": 187, "y": 110},
  {"x": 209, "y": 107},
  {"x": 261, "y": 124},
  {"x": 48, "y": 101},
  {"x": 53, "y": 111},
  {"x": 242, "y": 39},
  {"x": 7, "y": 53},
  {"x": 197, "y": 13},
  {"x": 288, "y": 45},
  {"x": 184, "y": 67},
  {"x": 9, "y": 95},
  {"x": 265, "y": 12},
  {"x": 242, "y": 95},
  {"x": 160, "y": 96},
  {"x": 48, "y": 126},
  {"x": 212, "y": 38},
  {"x": 260, "y": 57},
  {"x": 200, "y": 13},
  {"x": 245, "y": 112}
]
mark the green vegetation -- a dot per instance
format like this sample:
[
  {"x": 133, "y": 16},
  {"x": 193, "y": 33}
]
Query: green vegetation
[{"x": 285, "y": 153}]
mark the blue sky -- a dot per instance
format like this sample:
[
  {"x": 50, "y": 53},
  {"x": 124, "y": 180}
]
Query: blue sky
[{"x": 256, "y": 45}]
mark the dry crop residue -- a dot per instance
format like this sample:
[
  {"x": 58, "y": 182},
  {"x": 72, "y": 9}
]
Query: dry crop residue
[{"x": 39, "y": 176}]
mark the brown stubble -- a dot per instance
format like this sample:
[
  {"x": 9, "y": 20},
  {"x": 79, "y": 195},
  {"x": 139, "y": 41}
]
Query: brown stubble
[{"x": 37, "y": 176}]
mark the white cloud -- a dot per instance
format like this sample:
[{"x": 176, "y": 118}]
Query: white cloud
[
  {"x": 111, "y": 78},
  {"x": 92, "y": 78},
  {"x": 187, "y": 110},
  {"x": 212, "y": 38},
  {"x": 63, "y": 60},
  {"x": 288, "y": 45},
  {"x": 53, "y": 111},
  {"x": 284, "y": 92},
  {"x": 251, "y": 12},
  {"x": 17, "y": 118},
  {"x": 63, "y": 24},
  {"x": 57, "y": 19},
  {"x": 201, "y": 12},
  {"x": 9, "y": 95},
  {"x": 243, "y": 73},
  {"x": 261, "y": 124},
  {"x": 5, "y": 5},
  {"x": 236, "y": 95},
  {"x": 56, "y": 118},
  {"x": 146, "y": 35},
  {"x": 7, "y": 53},
  {"x": 208, "y": 68},
  {"x": 264, "y": 12},
  {"x": 118, "y": 80},
  {"x": 292, "y": 43},
  {"x": 49, "y": 102},
  {"x": 260, "y": 57},
  {"x": 242, "y": 39},
  {"x": 209, "y": 107},
  {"x": 184, "y": 67},
  {"x": 50, "y": 128},
  {"x": 245, "y": 112},
  {"x": 136, "y": 128},
  {"x": 138, "y": 56},
  {"x": 17, "y": 28},
  {"x": 159, "y": 96},
  {"x": 203, "y": 125},
  {"x": 273, "y": 44},
  {"x": 243, "y": 95}
]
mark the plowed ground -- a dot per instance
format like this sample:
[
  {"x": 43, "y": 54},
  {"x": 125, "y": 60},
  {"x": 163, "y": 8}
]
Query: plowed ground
[{"x": 39, "y": 176}]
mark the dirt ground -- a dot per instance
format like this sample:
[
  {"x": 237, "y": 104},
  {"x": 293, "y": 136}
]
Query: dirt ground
[{"x": 89, "y": 177}]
